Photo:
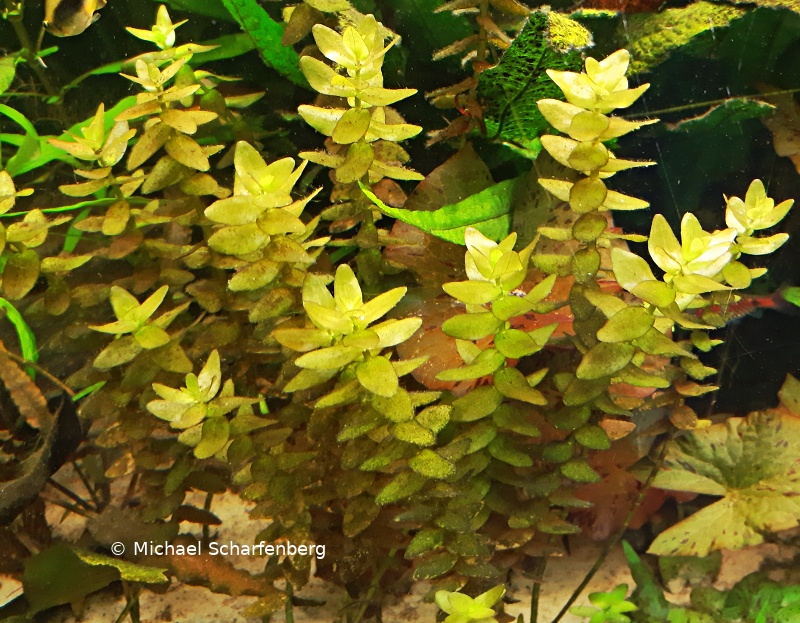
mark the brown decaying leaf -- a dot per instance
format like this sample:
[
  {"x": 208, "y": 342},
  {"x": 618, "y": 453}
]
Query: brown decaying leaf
[
  {"x": 461, "y": 175},
  {"x": 614, "y": 497},
  {"x": 29, "y": 400},
  {"x": 784, "y": 124}
]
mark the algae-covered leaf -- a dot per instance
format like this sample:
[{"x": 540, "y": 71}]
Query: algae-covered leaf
[
  {"x": 358, "y": 516},
  {"x": 753, "y": 463},
  {"x": 488, "y": 211},
  {"x": 435, "y": 565},
  {"x": 378, "y": 376},
  {"x": 790, "y": 394},
  {"x": 215, "y": 433},
  {"x": 432, "y": 465},
  {"x": 604, "y": 359},
  {"x": 403, "y": 485},
  {"x": 266, "y": 34},
  {"x": 57, "y": 575},
  {"x": 127, "y": 570},
  {"x": 653, "y": 37},
  {"x": 509, "y": 91},
  {"x": 424, "y": 541},
  {"x": 7, "y": 71}
]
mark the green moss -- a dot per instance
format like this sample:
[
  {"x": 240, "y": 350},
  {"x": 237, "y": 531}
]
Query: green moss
[{"x": 567, "y": 34}]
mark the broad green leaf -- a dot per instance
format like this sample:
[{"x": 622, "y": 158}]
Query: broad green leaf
[
  {"x": 473, "y": 292},
  {"x": 472, "y": 326},
  {"x": 579, "y": 471},
  {"x": 732, "y": 111},
  {"x": 432, "y": 465},
  {"x": 652, "y": 38},
  {"x": 397, "y": 408},
  {"x": 510, "y": 90},
  {"x": 331, "y": 358},
  {"x": 27, "y": 340},
  {"x": 402, "y": 486},
  {"x": 424, "y": 541},
  {"x": 511, "y": 383},
  {"x": 502, "y": 448},
  {"x": 477, "y": 404},
  {"x": 435, "y": 565},
  {"x": 20, "y": 274},
  {"x": 751, "y": 462},
  {"x": 128, "y": 571},
  {"x": 485, "y": 363},
  {"x": 393, "y": 332},
  {"x": 593, "y": 437},
  {"x": 488, "y": 211},
  {"x": 266, "y": 34},
  {"x": 604, "y": 359},
  {"x": 626, "y": 325},
  {"x": 377, "y": 375},
  {"x": 215, "y": 433},
  {"x": 7, "y": 70},
  {"x": 57, "y": 576},
  {"x": 413, "y": 432}
]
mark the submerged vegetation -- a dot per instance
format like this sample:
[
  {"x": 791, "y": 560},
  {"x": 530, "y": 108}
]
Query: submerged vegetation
[{"x": 434, "y": 377}]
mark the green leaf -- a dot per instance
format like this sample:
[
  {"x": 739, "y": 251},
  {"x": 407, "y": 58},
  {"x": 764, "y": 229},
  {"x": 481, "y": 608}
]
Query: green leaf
[
  {"x": 485, "y": 363},
  {"x": 118, "y": 352},
  {"x": 502, "y": 448},
  {"x": 511, "y": 383},
  {"x": 604, "y": 360},
  {"x": 266, "y": 35},
  {"x": 7, "y": 70},
  {"x": 592, "y": 437},
  {"x": 27, "y": 340},
  {"x": 378, "y": 376},
  {"x": 626, "y": 325},
  {"x": 752, "y": 463},
  {"x": 402, "y": 486},
  {"x": 509, "y": 91},
  {"x": 472, "y": 326},
  {"x": 435, "y": 565},
  {"x": 652, "y": 38},
  {"x": 488, "y": 211},
  {"x": 476, "y": 404},
  {"x": 432, "y": 465},
  {"x": 57, "y": 575},
  {"x": 473, "y": 292},
  {"x": 509, "y": 418},
  {"x": 579, "y": 471},
  {"x": 397, "y": 408},
  {"x": 331, "y": 358},
  {"x": 128, "y": 571},
  {"x": 216, "y": 431},
  {"x": 424, "y": 541},
  {"x": 732, "y": 111}
]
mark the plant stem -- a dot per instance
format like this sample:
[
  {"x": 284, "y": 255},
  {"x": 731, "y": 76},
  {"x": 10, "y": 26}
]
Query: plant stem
[
  {"x": 616, "y": 538},
  {"x": 39, "y": 369},
  {"x": 374, "y": 585},
  {"x": 29, "y": 51},
  {"x": 73, "y": 496},
  {"x": 538, "y": 575},
  {"x": 289, "y": 606}
]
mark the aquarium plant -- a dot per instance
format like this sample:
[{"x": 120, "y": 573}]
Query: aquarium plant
[{"x": 445, "y": 399}]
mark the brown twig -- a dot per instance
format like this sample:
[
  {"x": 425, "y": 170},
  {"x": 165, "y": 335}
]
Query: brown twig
[{"x": 39, "y": 369}]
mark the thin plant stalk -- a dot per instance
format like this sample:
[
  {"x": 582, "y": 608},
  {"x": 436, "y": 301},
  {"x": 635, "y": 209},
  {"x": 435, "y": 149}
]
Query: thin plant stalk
[{"x": 616, "y": 538}]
